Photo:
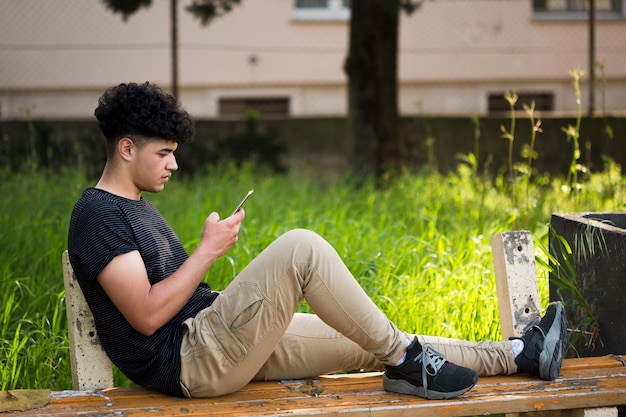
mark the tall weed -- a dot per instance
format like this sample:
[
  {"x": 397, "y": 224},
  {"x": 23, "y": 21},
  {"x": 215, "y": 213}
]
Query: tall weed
[{"x": 420, "y": 248}]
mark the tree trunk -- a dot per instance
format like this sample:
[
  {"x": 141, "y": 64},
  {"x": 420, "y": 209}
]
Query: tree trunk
[{"x": 372, "y": 71}]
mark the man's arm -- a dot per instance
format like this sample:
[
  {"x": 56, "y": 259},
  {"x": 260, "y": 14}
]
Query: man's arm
[{"x": 148, "y": 307}]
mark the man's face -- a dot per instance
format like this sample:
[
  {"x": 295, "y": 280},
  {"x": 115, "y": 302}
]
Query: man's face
[{"x": 153, "y": 164}]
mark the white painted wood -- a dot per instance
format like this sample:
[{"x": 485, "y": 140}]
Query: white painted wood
[
  {"x": 516, "y": 281},
  {"x": 579, "y": 412},
  {"x": 592, "y": 412},
  {"x": 91, "y": 367}
]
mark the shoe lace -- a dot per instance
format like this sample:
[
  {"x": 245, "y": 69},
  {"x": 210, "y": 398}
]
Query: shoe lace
[
  {"x": 432, "y": 361},
  {"x": 534, "y": 324},
  {"x": 430, "y": 358}
]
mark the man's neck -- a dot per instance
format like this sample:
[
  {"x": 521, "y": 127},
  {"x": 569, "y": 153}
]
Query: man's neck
[{"x": 118, "y": 185}]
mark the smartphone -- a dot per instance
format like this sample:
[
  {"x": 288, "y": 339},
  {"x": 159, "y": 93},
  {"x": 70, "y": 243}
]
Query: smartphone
[{"x": 243, "y": 200}]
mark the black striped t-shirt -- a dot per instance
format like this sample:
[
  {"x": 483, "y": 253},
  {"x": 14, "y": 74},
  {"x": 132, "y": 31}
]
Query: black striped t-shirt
[{"x": 103, "y": 226}]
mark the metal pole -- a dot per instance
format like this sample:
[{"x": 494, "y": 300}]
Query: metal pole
[
  {"x": 174, "y": 46},
  {"x": 592, "y": 57}
]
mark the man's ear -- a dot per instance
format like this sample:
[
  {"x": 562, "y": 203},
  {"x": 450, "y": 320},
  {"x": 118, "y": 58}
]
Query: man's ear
[{"x": 126, "y": 148}]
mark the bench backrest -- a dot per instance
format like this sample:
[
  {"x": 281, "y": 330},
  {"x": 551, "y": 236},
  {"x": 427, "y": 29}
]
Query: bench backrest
[
  {"x": 91, "y": 367},
  {"x": 516, "y": 285},
  {"x": 516, "y": 281}
]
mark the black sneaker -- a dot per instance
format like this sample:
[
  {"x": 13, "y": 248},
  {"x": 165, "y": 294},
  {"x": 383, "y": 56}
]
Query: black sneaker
[
  {"x": 545, "y": 343},
  {"x": 427, "y": 374}
]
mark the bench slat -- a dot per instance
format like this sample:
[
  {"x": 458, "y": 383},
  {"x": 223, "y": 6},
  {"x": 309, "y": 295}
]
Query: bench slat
[{"x": 584, "y": 382}]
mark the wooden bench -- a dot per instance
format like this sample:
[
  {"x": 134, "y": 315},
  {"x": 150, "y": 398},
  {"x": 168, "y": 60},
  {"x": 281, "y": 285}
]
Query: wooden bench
[
  {"x": 590, "y": 382},
  {"x": 587, "y": 386}
]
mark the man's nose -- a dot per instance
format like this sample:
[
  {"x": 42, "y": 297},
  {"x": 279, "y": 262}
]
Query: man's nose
[{"x": 171, "y": 164}]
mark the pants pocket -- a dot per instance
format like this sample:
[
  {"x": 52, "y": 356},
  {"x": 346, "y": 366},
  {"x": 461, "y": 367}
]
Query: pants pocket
[{"x": 240, "y": 318}]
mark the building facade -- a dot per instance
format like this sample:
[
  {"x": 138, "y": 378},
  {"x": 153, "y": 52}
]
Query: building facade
[{"x": 285, "y": 57}]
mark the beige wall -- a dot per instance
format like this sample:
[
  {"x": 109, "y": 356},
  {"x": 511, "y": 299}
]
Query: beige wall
[{"x": 56, "y": 57}]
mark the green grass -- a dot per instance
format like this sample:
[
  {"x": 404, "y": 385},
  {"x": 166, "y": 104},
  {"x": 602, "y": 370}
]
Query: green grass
[{"x": 420, "y": 248}]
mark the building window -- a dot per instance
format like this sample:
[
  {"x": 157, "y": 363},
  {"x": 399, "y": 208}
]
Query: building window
[
  {"x": 321, "y": 10},
  {"x": 576, "y": 9},
  {"x": 543, "y": 102},
  {"x": 265, "y": 106}
]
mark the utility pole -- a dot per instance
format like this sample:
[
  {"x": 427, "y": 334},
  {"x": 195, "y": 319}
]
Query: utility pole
[{"x": 592, "y": 57}]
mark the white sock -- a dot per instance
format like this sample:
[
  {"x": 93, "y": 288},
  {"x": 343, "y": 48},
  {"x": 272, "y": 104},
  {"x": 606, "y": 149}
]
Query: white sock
[
  {"x": 518, "y": 346},
  {"x": 402, "y": 359}
]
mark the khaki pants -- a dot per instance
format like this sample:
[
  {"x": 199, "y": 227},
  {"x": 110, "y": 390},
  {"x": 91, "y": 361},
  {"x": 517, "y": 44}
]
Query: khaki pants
[{"x": 251, "y": 331}]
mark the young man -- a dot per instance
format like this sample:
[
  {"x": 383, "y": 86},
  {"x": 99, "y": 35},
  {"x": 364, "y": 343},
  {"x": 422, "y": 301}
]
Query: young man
[{"x": 163, "y": 327}]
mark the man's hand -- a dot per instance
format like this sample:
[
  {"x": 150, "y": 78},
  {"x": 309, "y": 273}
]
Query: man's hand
[{"x": 218, "y": 236}]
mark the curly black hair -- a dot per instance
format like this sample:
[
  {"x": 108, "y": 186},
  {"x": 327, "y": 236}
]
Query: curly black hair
[{"x": 141, "y": 111}]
